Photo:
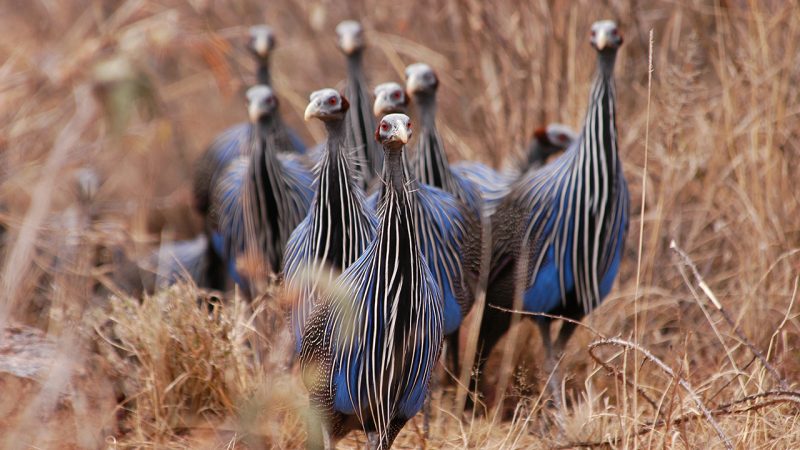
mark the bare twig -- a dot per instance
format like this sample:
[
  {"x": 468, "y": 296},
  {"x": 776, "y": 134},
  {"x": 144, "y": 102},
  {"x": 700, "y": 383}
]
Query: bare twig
[
  {"x": 744, "y": 405},
  {"x": 683, "y": 383},
  {"x": 738, "y": 331},
  {"x": 641, "y": 215}
]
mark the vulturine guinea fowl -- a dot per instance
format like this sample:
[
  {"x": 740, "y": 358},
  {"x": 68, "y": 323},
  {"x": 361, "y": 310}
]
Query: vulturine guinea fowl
[
  {"x": 234, "y": 141},
  {"x": 338, "y": 226},
  {"x": 441, "y": 225},
  {"x": 368, "y": 353},
  {"x": 570, "y": 217},
  {"x": 360, "y": 122},
  {"x": 432, "y": 167},
  {"x": 260, "y": 197}
]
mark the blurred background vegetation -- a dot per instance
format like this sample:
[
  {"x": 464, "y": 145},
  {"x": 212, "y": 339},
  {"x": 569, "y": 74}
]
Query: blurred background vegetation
[{"x": 136, "y": 89}]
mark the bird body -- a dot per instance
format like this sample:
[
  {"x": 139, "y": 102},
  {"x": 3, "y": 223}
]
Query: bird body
[
  {"x": 338, "y": 226},
  {"x": 441, "y": 228},
  {"x": 495, "y": 184},
  {"x": 369, "y": 350},
  {"x": 565, "y": 223},
  {"x": 441, "y": 223},
  {"x": 260, "y": 198}
]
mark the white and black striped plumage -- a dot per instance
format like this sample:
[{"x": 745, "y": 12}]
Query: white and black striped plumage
[
  {"x": 496, "y": 184},
  {"x": 338, "y": 226},
  {"x": 571, "y": 216},
  {"x": 369, "y": 350},
  {"x": 368, "y": 156},
  {"x": 431, "y": 166},
  {"x": 442, "y": 223},
  {"x": 261, "y": 197}
]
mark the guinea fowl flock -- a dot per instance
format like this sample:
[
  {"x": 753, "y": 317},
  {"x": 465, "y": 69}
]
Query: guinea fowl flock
[{"x": 379, "y": 238}]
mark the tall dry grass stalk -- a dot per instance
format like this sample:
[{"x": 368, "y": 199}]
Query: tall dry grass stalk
[{"x": 136, "y": 89}]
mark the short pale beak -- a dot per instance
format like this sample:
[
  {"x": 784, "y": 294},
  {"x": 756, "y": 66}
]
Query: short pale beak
[
  {"x": 402, "y": 134},
  {"x": 601, "y": 40},
  {"x": 255, "y": 111},
  {"x": 379, "y": 107},
  {"x": 261, "y": 45},
  {"x": 413, "y": 84},
  {"x": 348, "y": 44},
  {"x": 311, "y": 110}
]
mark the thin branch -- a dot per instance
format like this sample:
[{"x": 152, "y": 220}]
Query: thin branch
[
  {"x": 668, "y": 370},
  {"x": 739, "y": 333}
]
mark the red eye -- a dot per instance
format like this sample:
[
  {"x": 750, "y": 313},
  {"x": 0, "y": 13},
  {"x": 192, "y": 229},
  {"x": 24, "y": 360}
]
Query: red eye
[
  {"x": 384, "y": 126},
  {"x": 594, "y": 33},
  {"x": 396, "y": 95},
  {"x": 562, "y": 137},
  {"x": 408, "y": 125},
  {"x": 332, "y": 101},
  {"x": 614, "y": 32}
]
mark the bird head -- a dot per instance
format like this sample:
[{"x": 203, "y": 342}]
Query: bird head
[
  {"x": 605, "y": 35},
  {"x": 261, "y": 102},
  {"x": 350, "y": 37},
  {"x": 262, "y": 41},
  {"x": 389, "y": 98},
  {"x": 556, "y": 135},
  {"x": 394, "y": 131},
  {"x": 326, "y": 104},
  {"x": 421, "y": 79}
]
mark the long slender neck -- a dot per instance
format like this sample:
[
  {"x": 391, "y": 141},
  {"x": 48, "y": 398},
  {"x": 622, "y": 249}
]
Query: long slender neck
[
  {"x": 599, "y": 128},
  {"x": 354, "y": 67},
  {"x": 536, "y": 156},
  {"x": 432, "y": 166},
  {"x": 264, "y": 163},
  {"x": 336, "y": 135},
  {"x": 262, "y": 71},
  {"x": 336, "y": 175},
  {"x": 397, "y": 233},
  {"x": 362, "y": 124},
  {"x": 390, "y": 172},
  {"x": 427, "y": 110}
]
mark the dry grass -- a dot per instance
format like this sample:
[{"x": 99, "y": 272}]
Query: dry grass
[{"x": 136, "y": 89}]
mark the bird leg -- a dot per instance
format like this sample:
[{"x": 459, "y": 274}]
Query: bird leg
[
  {"x": 318, "y": 437},
  {"x": 551, "y": 361},
  {"x": 427, "y": 407},
  {"x": 452, "y": 353},
  {"x": 327, "y": 442},
  {"x": 566, "y": 331},
  {"x": 373, "y": 440}
]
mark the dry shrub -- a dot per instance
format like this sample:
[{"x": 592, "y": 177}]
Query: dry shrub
[
  {"x": 187, "y": 366},
  {"x": 184, "y": 363}
]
